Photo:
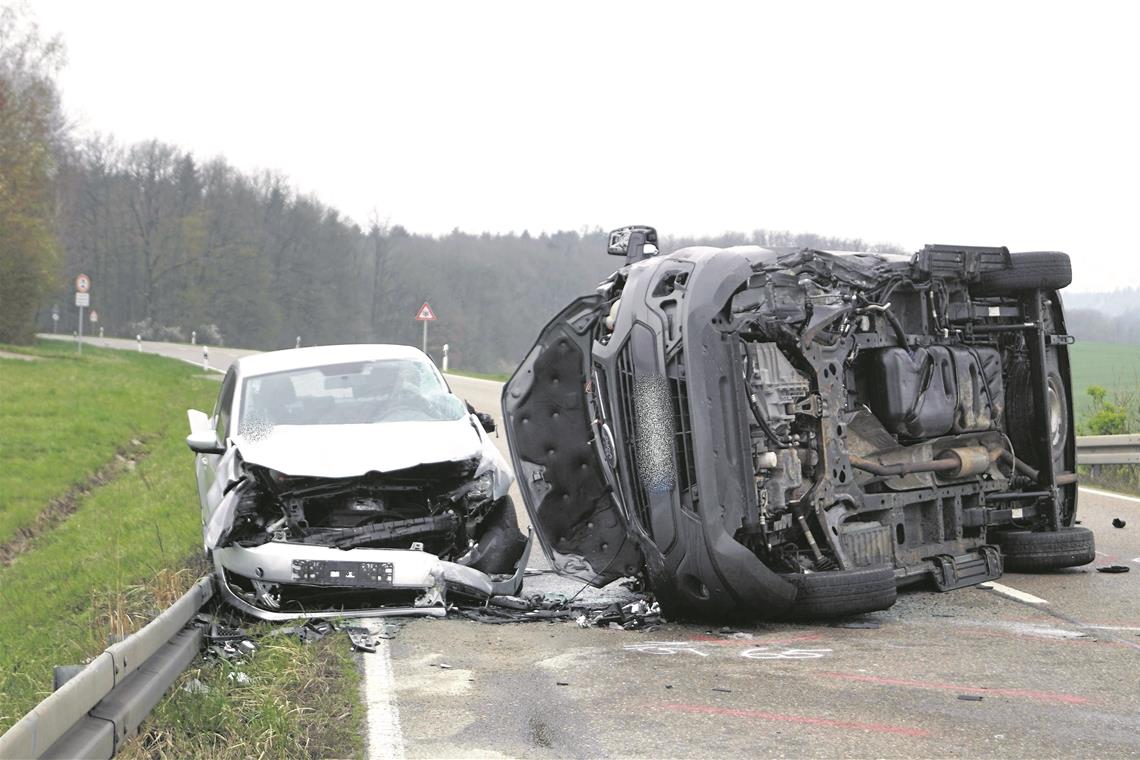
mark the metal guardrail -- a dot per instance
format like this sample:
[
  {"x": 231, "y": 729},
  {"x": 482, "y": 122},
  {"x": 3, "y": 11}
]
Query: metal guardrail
[
  {"x": 1108, "y": 449},
  {"x": 93, "y": 713}
]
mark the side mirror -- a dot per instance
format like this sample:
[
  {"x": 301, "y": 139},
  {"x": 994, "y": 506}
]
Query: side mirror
[
  {"x": 631, "y": 241},
  {"x": 202, "y": 438},
  {"x": 487, "y": 421},
  {"x": 204, "y": 442}
]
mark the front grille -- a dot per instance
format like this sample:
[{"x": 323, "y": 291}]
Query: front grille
[{"x": 683, "y": 444}]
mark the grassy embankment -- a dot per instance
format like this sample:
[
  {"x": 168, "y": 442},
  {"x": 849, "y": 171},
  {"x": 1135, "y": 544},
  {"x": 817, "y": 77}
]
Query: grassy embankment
[
  {"x": 1114, "y": 366},
  {"x": 99, "y": 531}
]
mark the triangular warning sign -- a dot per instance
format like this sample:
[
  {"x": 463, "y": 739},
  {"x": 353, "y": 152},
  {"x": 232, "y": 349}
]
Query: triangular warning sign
[{"x": 425, "y": 314}]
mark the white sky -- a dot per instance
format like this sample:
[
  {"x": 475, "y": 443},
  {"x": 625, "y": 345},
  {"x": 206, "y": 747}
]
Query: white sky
[{"x": 981, "y": 123}]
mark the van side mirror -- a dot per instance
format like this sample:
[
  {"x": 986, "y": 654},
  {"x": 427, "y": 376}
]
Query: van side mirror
[{"x": 631, "y": 241}]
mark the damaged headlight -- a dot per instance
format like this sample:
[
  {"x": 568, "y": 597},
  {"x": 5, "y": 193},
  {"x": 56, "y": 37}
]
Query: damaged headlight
[{"x": 481, "y": 487}]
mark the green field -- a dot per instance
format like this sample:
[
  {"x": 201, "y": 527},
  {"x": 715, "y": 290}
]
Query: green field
[
  {"x": 1115, "y": 366},
  {"x": 118, "y": 548}
]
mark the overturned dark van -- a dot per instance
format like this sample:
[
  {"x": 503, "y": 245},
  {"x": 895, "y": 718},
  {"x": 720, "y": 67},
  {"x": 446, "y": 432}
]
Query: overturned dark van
[{"x": 796, "y": 433}]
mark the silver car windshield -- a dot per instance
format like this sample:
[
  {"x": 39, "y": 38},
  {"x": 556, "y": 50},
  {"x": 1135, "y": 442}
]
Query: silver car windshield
[{"x": 390, "y": 390}]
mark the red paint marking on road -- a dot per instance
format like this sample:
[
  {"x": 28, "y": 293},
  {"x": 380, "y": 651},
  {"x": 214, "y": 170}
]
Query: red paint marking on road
[
  {"x": 881, "y": 728},
  {"x": 718, "y": 641},
  {"x": 1040, "y": 696}
]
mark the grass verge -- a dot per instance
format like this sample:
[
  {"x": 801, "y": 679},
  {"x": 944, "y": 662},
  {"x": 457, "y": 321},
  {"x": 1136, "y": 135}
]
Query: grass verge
[
  {"x": 66, "y": 417},
  {"x": 497, "y": 377},
  {"x": 300, "y": 701},
  {"x": 127, "y": 544}
]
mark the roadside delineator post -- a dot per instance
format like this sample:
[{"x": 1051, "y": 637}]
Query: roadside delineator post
[
  {"x": 139, "y": 339},
  {"x": 206, "y": 358},
  {"x": 298, "y": 342},
  {"x": 445, "y": 348},
  {"x": 193, "y": 337}
]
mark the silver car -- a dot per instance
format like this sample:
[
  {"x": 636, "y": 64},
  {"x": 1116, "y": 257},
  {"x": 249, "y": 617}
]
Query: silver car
[{"x": 349, "y": 480}]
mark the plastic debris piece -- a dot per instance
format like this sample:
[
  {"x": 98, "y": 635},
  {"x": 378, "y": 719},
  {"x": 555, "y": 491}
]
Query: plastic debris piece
[
  {"x": 970, "y": 697},
  {"x": 512, "y": 602},
  {"x": 561, "y": 683},
  {"x": 1118, "y": 523},
  {"x": 362, "y": 639},
  {"x": 722, "y": 689},
  {"x": 444, "y": 666},
  {"x": 241, "y": 679},
  {"x": 194, "y": 686},
  {"x": 1113, "y": 569},
  {"x": 583, "y": 622}
]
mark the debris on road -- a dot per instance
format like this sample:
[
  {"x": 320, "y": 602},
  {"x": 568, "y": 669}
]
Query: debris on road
[
  {"x": 1118, "y": 523},
  {"x": 970, "y": 697},
  {"x": 1113, "y": 569}
]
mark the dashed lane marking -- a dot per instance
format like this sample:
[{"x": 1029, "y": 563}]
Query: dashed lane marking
[{"x": 1012, "y": 593}]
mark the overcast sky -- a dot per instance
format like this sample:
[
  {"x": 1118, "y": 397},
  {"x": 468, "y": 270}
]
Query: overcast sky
[{"x": 981, "y": 123}]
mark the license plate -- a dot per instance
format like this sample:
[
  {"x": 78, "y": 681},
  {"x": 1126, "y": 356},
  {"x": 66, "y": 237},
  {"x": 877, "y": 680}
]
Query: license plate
[{"x": 320, "y": 572}]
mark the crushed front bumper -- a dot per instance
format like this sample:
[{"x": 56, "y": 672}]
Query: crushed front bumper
[{"x": 371, "y": 574}]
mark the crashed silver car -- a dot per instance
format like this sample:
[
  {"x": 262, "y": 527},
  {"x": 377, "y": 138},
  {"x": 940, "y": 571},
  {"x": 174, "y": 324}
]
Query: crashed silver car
[
  {"x": 350, "y": 480},
  {"x": 763, "y": 432}
]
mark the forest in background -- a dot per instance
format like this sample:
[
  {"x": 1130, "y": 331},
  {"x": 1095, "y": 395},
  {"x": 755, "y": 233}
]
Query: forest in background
[{"x": 176, "y": 244}]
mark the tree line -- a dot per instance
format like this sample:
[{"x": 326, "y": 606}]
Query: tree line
[{"x": 175, "y": 244}]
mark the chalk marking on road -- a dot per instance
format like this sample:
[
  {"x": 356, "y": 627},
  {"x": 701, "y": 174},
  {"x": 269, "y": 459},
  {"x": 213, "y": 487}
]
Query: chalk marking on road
[
  {"x": 808, "y": 720},
  {"x": 1012, "y": 593},
  {"x": 1110, "y": 494},
  {"x": 784, "y": 653},
  {"x": 385, "y": 740}
]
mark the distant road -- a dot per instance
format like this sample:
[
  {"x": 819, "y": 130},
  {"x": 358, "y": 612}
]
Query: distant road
[{"x": 220, "y": 358}]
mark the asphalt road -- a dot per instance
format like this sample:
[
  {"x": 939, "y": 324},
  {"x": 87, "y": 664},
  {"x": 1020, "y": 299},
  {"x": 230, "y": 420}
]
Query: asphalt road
[
  {"x": 1055, "y": 678},
  {"x": 1039, "y": 665}
]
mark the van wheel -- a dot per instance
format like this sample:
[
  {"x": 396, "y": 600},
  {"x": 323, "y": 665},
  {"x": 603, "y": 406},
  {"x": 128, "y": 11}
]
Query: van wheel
[
  {"x": 838, "y": 593},
  {"x": 1036, "y": 270},
  {"x": 1026, "y": 551}
]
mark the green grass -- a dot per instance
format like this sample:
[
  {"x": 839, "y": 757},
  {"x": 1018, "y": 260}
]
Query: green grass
[
  {"x": 301, "y": 702},
  {"x": 63, "y": 417},
  {"x": 130, "y": 547},
  {"x": 497, "y": 377},
  {"x": 1115, "y": 366}
]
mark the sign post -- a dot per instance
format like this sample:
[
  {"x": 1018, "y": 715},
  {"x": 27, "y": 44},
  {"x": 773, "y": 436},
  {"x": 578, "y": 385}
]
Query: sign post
[
  {"x": 425, "y": 315},
  {"x": 55, "y": 319},
  {"x": 82, "y": 300}
]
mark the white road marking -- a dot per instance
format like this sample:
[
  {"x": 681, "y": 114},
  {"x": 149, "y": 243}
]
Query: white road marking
[
  {"x": 1110, "y": 494},
  {"x": 1113, "y": 627},
  {"x": 1012, "y": 593},
  {"x": 385, "y": 740}
]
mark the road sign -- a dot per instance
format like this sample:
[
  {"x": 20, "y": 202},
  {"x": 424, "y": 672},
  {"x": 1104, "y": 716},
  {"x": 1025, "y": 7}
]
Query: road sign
[
  {"x": 425, "y": 314},
  {"x": 82, "y": 299},
  {"x": 82, "y": 283},
  {"x": 94, "y": 316}
]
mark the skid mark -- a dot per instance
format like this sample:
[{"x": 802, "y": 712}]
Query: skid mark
[
  {"x": 1039, "y": 696},
  {"x": 764, "y": 715}
]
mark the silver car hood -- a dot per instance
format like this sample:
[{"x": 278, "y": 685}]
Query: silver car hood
[{"x": 345, "y": 451}]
